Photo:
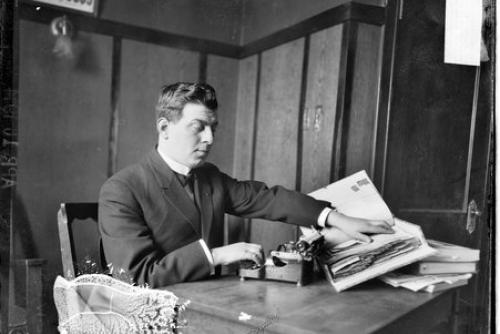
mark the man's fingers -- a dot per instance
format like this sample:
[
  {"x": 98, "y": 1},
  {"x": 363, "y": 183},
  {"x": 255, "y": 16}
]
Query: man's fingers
[
  {"x": 381, "y": 223},
  {"x": 363, "y": 238},
  {"x": 257, "y": 249},
  {"x": 255, "y": 253},
  {"x": 379, "y": 226}
]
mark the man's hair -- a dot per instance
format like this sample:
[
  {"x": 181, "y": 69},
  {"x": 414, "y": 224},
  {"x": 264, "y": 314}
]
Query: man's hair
[{"x": 174, "y": 97}]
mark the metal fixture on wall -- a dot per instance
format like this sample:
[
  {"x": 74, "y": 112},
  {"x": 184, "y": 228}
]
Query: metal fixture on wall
[
  {"x": 63, "y": 31},
  {"x": 318, "y": 116}
]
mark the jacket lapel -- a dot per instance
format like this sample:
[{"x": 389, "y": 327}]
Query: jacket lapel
[
  {"x": 203, "y": 195},
  {"x": 173, "y": 190}
]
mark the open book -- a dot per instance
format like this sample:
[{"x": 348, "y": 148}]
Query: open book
[{"x": 352, "y": 263}]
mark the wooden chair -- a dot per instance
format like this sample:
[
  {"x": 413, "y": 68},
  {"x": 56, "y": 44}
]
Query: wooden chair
[{"x": 81, "y": 248}]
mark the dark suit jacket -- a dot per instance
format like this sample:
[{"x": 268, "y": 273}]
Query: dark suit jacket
[{"x": 151, "y": 228}]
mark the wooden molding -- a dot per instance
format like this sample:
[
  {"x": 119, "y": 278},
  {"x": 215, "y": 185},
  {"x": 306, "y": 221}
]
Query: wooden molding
[
  {"x": 346, "y": 76},
  {"x": 384, "y": 107},
  {"x": 28, "y": 11},
  {"x": 115, "y": 106},
  {"x": 347, "y": 12}
]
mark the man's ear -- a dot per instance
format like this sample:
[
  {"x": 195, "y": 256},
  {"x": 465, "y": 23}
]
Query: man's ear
[{"x": 162, "y": 127}]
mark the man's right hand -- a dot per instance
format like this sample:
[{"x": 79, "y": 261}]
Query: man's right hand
[{"x": 237, "y": 252}]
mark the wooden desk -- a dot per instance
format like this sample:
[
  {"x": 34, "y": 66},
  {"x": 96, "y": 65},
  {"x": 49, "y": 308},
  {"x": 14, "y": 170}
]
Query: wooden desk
[{"x": 373, "y": 307}]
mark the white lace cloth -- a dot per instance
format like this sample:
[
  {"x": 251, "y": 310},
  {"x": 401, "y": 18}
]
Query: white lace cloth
[{"x": 101, "y": 304}]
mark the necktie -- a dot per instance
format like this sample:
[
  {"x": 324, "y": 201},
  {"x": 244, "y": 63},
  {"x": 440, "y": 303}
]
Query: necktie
[{"x": 188, "y": 183}]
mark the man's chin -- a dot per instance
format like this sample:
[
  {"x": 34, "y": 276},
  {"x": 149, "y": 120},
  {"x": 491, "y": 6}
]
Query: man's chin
[{"x": 198, "y": 161}]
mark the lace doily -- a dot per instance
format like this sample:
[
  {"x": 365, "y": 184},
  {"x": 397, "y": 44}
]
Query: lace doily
[{"x": 101, "y": 304}]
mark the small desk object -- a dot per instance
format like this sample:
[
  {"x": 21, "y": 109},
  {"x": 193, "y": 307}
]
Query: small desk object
[{"x": 227, "y": 305}]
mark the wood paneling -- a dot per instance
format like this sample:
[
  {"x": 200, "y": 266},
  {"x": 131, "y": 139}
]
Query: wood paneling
[
  {"x": 347, "y": 12},
  {"x": 386, "y": 86},
  {"x": 438, "y": 148},
  {"x": 44, "y": 14},
  {"x": 63, "y": 135},
  {"x": 222, "y": 74},
  {"x": 430, "y": 123},
  {"x": 145, "y": 68},
  {"x": 244, "y": 136},
  {"x": 214, "y": 20},
  {"x": 276, "y": 145},
  {"x": 318, "y": 122},
  {"x": 245, "y": 118},
  {"x": 364, "y": 101},
  {"x": 263, "y": 17}
]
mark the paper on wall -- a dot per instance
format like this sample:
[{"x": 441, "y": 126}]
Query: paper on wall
[{"x": 462, "y": 40}]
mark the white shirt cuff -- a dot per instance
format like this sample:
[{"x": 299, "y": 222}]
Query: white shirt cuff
[
  {"x": 208, "y": 253},
  {"x": 322, "y": 216}
]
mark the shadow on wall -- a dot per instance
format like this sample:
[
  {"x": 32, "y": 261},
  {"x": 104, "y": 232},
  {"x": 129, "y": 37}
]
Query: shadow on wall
[{"x": 86, "y": 60}]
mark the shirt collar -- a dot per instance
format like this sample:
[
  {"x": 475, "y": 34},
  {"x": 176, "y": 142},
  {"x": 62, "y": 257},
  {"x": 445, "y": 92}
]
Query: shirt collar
[{"x": 174, "y": 165}]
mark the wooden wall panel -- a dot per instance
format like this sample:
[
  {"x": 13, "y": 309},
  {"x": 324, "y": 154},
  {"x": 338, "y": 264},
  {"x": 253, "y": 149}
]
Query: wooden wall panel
[
  {"x": 431, "y": 113},
  {"x": 364, "y": 101},
  {"x": 244, "y": 136},
  {"x": 213, "y": 20},
  {"x": 144, "y": 69},
  {"x": 277, "y": 132},
  {"x": 263, "y": 17},
  {"x": 245, "y": 118},
  {"x": 64, "y": 107},
  {"x": 320, "y": 108},
  {"x": 222, "y": 74}
]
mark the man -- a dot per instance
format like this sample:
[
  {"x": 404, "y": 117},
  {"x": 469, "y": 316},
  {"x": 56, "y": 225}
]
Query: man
[{"x": 161, "y": 220}]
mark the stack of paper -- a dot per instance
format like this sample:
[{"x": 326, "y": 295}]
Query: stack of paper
[
  {"x": 348, "y": 259},
  {"x": 452, "y": 253},
  {"x": 448, "y": 259},
  {"x": 352, "y": 263},
  {"x": 450, "y": 266},
  {"x": 427, "y": 283}
]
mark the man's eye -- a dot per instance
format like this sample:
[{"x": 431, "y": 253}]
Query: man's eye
[{"x": 198, "y": 127}]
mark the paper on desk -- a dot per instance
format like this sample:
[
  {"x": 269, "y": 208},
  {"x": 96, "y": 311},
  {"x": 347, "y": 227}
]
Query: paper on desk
[
  {"x": 357, "y": 196},
  {"x": 418, "y": 282},
  {"x": 389, "y": 264}
]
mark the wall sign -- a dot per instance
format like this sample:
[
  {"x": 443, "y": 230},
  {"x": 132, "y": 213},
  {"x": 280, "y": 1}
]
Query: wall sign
[{"x": 86, "y": 6}]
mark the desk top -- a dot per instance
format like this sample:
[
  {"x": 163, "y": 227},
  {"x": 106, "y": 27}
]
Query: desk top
[{"x": 315, "y": 308}]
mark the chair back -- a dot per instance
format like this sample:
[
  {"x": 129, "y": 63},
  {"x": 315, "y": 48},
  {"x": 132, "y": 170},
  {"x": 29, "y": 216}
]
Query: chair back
[{"x": 81, "y": 247}]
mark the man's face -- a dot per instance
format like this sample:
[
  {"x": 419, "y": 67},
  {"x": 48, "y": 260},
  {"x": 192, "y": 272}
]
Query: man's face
[{"x": 188, "y": 141}]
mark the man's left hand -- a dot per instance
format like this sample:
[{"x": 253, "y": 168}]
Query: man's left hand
[{"x": 355, "y": 228}]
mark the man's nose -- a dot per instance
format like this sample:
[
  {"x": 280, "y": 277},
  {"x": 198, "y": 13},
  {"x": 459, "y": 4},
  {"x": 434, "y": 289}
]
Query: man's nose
[{"x": 207, "y": 135}]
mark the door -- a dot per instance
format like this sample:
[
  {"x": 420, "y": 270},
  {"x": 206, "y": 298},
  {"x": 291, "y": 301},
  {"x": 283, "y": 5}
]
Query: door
[{"x": 439, "y": 145}]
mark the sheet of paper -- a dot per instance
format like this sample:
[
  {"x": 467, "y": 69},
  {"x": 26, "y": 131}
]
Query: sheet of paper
[
  {"x": 354, "y": 196},
  {"x": 347, "y": 194},
  {"x": 418, "y": 282},
  {"x": 462, "y": 41}
]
